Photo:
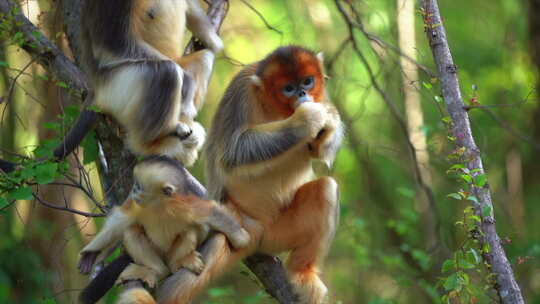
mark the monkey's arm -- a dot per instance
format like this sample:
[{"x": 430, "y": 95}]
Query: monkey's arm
[
  {"x": 117, "y": 222},
  {"x": 259, "y": 144},
  {"x": 199, "y": 24},
  {"x": 221, "y": 220}
]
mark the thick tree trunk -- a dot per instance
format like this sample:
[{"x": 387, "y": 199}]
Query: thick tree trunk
[{"x": 507, "y": 287}]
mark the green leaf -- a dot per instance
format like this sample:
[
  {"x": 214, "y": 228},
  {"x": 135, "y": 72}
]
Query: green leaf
[
  {"x": 62, "y": 84},
  {"x": 480, "y": 180},
  {"x": 3, "y": 202},
  {"x": 72, "y": 111},
  {"x": 22, "y": 193},
  {"x": 475, "y": 218},
  {"x": 90, "y": 146},
  {"x": 473, "y": 256},
  {"x": 94, "y": 108},
  {"x": 457, "y": 167},
  {"x": 438, "y": 98},
  {"x": 486, "y": 211},
  {"x": 454, "y": 196},
  {"x": 46, "y": 173},
  {"x": 467, "y": 178},
  {"x": 452, "y": 282},
  {"x": 28, "y": 173},
  {"x": 448, "y": 266},
  {"x": 472, "y": 198},
  {"x": 427, "y": 85}
]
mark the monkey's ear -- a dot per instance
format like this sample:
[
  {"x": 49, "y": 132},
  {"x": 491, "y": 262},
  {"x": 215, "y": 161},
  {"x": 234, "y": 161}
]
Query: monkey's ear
[
  {"x": 320, "y": 57},
  {"x": 168, "y": 189},
  {"x": 256, "y": 81}
]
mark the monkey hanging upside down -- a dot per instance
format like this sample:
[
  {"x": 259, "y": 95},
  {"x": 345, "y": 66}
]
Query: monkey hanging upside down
[{"x": 132, "y": 51}]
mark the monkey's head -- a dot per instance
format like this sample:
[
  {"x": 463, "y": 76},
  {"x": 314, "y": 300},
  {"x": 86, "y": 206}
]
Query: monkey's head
[
  {"x": 157, "y": 178},
  {"x": 288, "y": 77}
]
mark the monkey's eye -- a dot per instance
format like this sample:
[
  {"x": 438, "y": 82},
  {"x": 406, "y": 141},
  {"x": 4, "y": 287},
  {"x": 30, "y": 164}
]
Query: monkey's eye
[
  {"x": 167, "y": 190},
  {"x": 308, "y": 83},
  {"x": 289, "y": 90}
]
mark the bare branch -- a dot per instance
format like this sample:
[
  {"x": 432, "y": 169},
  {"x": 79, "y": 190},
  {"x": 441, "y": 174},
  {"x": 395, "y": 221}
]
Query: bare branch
[
  {"x": 66, "y": 208},
  {"x": 352, "y": 25}
]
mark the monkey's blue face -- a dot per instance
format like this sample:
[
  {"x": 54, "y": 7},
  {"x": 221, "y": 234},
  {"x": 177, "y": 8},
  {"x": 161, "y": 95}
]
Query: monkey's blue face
[{"x": 299, "y": 91}]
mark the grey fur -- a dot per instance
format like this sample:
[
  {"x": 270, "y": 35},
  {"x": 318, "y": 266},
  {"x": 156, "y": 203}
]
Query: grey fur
[{"x": 231, "y": 144}]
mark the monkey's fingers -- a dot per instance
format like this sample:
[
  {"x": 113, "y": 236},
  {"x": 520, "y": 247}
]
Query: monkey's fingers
[{"x": 87, "y": 261}]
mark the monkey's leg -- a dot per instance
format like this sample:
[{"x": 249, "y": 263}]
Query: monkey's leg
[
  {"x": 184, "y": 254},
  {"x": 97, "y": 250},
  {"x": 198, "y": 68},
  {"x": 183, "y": 286},
  {"x": 143, "y": 253},
  {"x": 307, "y": 227},
  {"x": 199, "y": 24}
]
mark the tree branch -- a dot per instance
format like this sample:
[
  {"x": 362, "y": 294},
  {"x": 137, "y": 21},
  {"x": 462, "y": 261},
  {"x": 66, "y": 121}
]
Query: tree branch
[
  {"x": 507, "y": 287},
  {"x": 39, "y": 47}
]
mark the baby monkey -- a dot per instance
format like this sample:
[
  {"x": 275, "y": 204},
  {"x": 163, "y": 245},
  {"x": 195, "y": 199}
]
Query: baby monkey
[{"x": 162, "y": 222}]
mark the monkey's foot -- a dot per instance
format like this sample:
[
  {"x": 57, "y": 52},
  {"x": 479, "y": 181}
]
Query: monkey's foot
[
  {"x": 183, "y": 131},
  {"x": 193, "y": 262},
  {"x": 137, "y": 272},
  {"x": 240, "y": 239},
  {"x": 195, "y": 139},
  {"x": 309, "y": 287}
]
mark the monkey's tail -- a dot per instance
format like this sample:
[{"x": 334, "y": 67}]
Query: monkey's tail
[
  {"x": 183, "y": 286},
  {"x": 137, "y": 295}
]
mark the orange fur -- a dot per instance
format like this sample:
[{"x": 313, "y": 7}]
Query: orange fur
[
  {"x": 135, "y": 296},
  {"x": 274, "y": 197},
  {"x": 277, "y": 74}
]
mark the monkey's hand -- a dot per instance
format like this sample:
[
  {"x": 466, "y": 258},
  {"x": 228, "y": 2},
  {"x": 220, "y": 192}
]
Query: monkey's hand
[
  {"x": 328, "y": 140},
  {"x": 240, "y": 239},
  {"x": 86, "y": 261},
  {"x": 193, "y": 261},
  {"x": 312, "y": 116}
]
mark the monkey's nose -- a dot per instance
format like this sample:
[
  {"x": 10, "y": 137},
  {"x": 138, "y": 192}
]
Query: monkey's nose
[{"x": 302, "y": 93}]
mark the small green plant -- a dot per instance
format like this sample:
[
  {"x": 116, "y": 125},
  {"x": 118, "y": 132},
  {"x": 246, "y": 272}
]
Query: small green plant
[
  {"x": 467, "y": 261},
  {"x": 43, "y": 168}
]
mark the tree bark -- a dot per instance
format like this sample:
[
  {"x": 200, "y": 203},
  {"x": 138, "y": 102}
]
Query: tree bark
[{"x": 506, "y": 286}]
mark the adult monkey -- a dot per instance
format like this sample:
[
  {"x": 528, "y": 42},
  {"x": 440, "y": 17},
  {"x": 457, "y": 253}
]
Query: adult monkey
[
  {"x": 133, "y": 52},
  {"x": 274, "y": 118}
]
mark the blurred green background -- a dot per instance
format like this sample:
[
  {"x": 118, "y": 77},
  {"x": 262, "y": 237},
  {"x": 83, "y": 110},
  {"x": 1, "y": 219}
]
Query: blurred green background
[{"x": 391, "y": 243}]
